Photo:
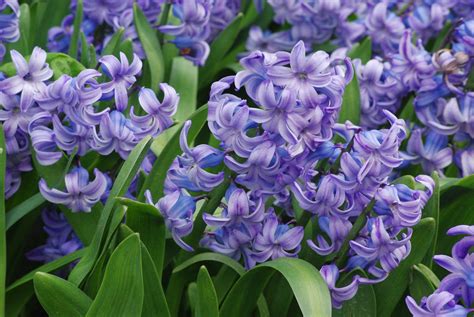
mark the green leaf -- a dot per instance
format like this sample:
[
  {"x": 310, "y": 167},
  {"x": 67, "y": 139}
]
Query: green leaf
[
  {"x": 73, "y": 44},
  {"x": 152, "y": 230},
  {"x": 50, "y": 13},
  {"x": 60, "y": 297},
  {"x": 406, "y": 180},
  {"x": 21, "y": 210},
  {"x": 85, "y": 53},
  {"x": 84, "y": 224},
  {"x": 127, "y": 48},
  {"x": 432, "y": 210},
  {"x": 184, "y": 78},
  {"x": 390, "y": 291},
  {"x": 423, "y": 283},
  {"x": 308, "y": 286},
  {"x": 180, "y": 275},
  {"x": 207, "y": 305},
  {"x": 108, "y": 219},
  {"x": 219, "y": 48},
  {"x": 3, "y": 229},
  {"x": 121, "y": 292},
  {"x": 166, "y": 155},
  {"x": 23, "y": 44},
  {"x": 154, "y": 302},
  {"x": 363, "y": 304},
  {"x": 63, "y": 64},
  {"x": 48, "y": 267},
  {"x": 151, "y": 46},
  {"x": 113, "y": 45},
  {"x": 350, "y": 109},
  {"x": 362, "y": 50},
  {"x": 441, "y": 37}
]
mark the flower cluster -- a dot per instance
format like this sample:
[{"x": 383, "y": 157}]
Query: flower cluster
[
  {"x": 61, "y": 239},
  {"x": 289, "y": 165},
  {"x": 199, "y": 23},
  {"x": 454, "y": 294},
  {"x": 82, "y": 115},
  {"x": 9, "y": 24},
  {"x": 102, "y": 18}
]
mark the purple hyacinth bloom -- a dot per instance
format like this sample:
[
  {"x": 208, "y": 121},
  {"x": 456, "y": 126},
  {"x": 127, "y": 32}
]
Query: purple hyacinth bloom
[
  {"x": 464, "y": 159},
  {"x": 380, "y": 247},
  {"x": 304, "y": 74},
  {"x": 337, "y": 229},
  {"x": 259, "y": 170},
  {"x": 122, "y": 75},
  {"x": 266, "y": 41},
  {"x": 12, "y": 117},
  {"x": 177, "y": 208},
  {"x": 330, "y": 274},
  {"x": 30, "y": 77},
  {"x": 61, "y": 239},
  {"x": 464, "y": 37},
  {"x": 104, "y": 10},
  {"x": 240, "y": 210},
  {"x": 426, "y": 21},
  {"x": 276, "y": 240},
  {"x": 459, "y": 281},
  {"x": 73, "y": 136},
  {"x": 439, "y": 304},
  {"x": 456, "y": 116},
  {"x": 413, "y": 63},
  {"x": 116, "y": 133},
  {"x": 377, "y": 92},
  {"x": 434, "y": 154},
  {"x": 9, "y": 24},
  {"x": 44, "y": 145},
  {"x": 158, "y": 117},
  {"x": 385, "y": 28},
  {"x": 80, "y": 194},
  {"x": 189, "y": 172}
]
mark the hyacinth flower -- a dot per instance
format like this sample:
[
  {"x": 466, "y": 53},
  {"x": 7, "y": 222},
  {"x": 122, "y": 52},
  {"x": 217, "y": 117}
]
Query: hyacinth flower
[
  {"x": 80, "y": 194},
  {"x": 61, "y": 239},
  {"x": 177, "y": 209},
  {"x": 122, "y": 75},
  {"x": 159, "y": 114},
  {"x": 433, "y": 155},
  {"x": 330, "y": 274},
  {"x": 385, "y": 28},
  {"x": 30, "y": 77},
  {"x": 9, "y": 24},
  {"x": 189, "y": 171},
  {"x": 276, "y": 240},
  {"x": 12, "y": 117},
  {"x": 437, "y": 304}
]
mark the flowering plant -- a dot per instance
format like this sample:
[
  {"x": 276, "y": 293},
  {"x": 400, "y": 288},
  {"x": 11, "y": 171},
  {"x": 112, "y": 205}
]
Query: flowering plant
[{"x": 236, "y": 158}]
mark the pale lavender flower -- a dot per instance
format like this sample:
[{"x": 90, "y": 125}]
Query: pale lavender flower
[
  {"x": 177, "y": 208},
  {"x": 426, "y": 21},
  {"x": 14, "y": 118},
  {"x": 385, "y": 28},
  {"x": 44, "y": 145},
  {"x": 465, "y": 161},
  {"x": 30, "y": 77},
  {"x": 104, "y": 10},
  {"x": 265, "y": 41},
  {"x": 436, "y": 305},
  {"x": 276, "y": 240},
  {"x": 158, "y": 117},
  {"x": 330, "y": 274},
  {"x": 116, "y": 133},
  {"x": 433, "y": 155},
  {"x": 80, "y": 194},
  {"x": 336, "y": 228},
  {"x": 240, "y": 210},
  {"x": 61, "y": 239},
  {"x": 413, "y": 63},
  {"x": 72, "y": 136},
  {"x": 122, "y": 75}
]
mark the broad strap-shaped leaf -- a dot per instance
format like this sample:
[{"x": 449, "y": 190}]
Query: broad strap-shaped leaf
[
  {"x": 350, "y": 109},
  {"x": 3, "y": 229},
  {"x": 151, "y": 46},
  {"x": 423, "y": 282},
  {"x": 165, "y": 155},
  {"x": 432, "y": 210},
  {"x": 207, "y": 305},
  {"x": 108, "y": 218},
  {"x": 390, "y": 291},
  {"x": 121, "y": 292},
  {"x": 22, "y": 209},
  {"x": 308, "y": 286},
  {"x": 113, "y": 45},
  {"x": 219, "y": 48},
  {"x": 74, "y": 42},
  {"x": 154, "y": 302},
  {"x": 60, "y": 297},
  {"x": 184, "y": 78},
  {"x": 363, "y": 304},
  {"x": 362, "y": 50}
]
